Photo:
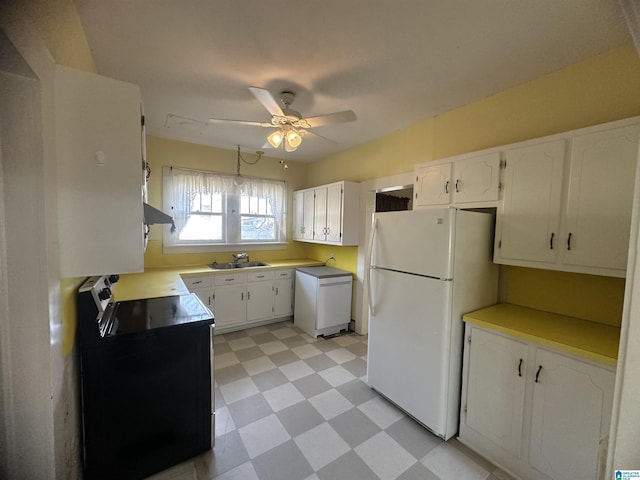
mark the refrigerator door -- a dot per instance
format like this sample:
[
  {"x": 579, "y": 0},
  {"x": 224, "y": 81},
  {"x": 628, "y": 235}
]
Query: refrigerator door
[
  {"x": 414, "y": 241},
  {"x": 409, "y": 345}
]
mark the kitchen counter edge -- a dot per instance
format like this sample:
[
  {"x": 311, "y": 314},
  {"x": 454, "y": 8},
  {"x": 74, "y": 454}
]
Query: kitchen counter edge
[
  {"x": 165, "y": 281},
  {"x": 591, "y": 340}
]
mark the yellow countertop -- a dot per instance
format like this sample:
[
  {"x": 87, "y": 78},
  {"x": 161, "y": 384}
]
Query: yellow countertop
[
  {"x": 161, "y": 282},
  {"x": 591, "y": 340}
]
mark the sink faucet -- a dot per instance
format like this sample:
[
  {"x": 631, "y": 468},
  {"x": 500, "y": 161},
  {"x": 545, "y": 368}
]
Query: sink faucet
[{"x": 240, "y": 256}]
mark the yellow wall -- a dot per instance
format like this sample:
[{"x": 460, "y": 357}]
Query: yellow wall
[
  {"x": 597, "y": 90},
  {"x": 163, "y": 152}
]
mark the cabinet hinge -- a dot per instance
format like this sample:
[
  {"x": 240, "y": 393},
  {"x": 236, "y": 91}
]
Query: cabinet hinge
[
  {"x": 469, "y": 339},
  {"x": 465, "y": 409},
  {"x": 503, "y": 164},
  {"x": 499, "y": 243}
]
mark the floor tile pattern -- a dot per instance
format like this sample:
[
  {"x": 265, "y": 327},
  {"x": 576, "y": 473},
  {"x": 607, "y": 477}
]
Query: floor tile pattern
[{"x": 292, "y": 407}]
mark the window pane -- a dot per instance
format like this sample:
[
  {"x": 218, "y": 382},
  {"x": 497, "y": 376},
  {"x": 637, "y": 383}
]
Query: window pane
[
  {"x": 258, "y": 228},
  {"x": 202, "y": 227},
  {"x": 216, "y": 203}
]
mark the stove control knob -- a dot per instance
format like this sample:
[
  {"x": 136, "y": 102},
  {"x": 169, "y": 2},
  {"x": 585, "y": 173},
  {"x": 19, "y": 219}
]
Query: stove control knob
[
  {"x": 104, "y": 294},
  {"x": 114, "y": 278}
]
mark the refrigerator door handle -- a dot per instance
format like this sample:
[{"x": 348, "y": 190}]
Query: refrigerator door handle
[{"x": 372, "y": 237}]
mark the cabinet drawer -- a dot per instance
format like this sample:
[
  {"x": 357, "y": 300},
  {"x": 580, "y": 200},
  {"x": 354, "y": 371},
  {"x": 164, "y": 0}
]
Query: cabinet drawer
[
  {"x": 229, "y": 279},
  {"x": 281, "y": 274},
  {"x": 199, "y": 281},
  {"x": 260, "y": 276}
]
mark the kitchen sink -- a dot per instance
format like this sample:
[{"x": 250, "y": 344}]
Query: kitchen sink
[{"x": 230, "y": 265}]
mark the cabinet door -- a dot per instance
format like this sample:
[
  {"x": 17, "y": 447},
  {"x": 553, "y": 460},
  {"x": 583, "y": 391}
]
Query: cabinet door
[
  {"x": 334, "y": 213},
  {"x": 496, "y": 389},
  {"x": 531, "y": 217},
  {"x": 601, "y": 183},
  {"x": 571, "y": 413},
  {"x": 476, "y": 179},
  {"x": 433, "y": 185},
  {"x": 229, "y": 305},
  {"x": 320, "y": 214},
  {"x": 283, "y": 297},
  {"x": 308, "y": 214},
  {"x": 202, "y": 286},
  {"x": 100, "y": 216},
  {"x": 259, "y": 300},
  {"x": 298, "y": 215}
]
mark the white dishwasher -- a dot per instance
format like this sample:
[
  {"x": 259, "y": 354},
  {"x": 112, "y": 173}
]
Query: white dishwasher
[{"x": 322, "y": 300}]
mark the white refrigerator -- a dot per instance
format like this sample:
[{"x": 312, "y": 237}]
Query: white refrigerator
[{"x": 426, "y": 269}]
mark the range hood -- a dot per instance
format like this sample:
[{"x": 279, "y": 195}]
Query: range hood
[{"x": 154, "y": 216}]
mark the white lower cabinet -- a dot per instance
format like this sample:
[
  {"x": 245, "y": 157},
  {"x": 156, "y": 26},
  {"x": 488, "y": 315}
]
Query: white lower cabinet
[
  {"x": 245, "y": 299},
  {"x": 229, "y": 300},
  {"x": 536, "y": 412},
  {"x": 202, "y": 286},
  {"x": 283, "y": 293},
  {"x": 259, "y": 295}
]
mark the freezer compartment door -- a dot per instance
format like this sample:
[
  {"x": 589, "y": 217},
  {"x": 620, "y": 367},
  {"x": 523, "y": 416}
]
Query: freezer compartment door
[
  {"x": 417, "y": 241},
  {"x": 408, "y": 359}
]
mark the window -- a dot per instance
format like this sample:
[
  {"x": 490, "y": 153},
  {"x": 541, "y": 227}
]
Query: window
[{"x": 209, "y": 209}]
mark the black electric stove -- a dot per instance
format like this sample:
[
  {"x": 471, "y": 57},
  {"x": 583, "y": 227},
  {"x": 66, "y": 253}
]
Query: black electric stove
[{"x": 146, "y": 381}]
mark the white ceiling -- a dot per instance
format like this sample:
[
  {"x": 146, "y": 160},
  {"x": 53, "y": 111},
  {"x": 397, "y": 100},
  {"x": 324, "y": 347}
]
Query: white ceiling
[{"x": 393, "y": 62}]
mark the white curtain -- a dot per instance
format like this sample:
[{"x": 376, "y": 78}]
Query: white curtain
[
  {"x": 275, "y": 193},
  {"x": 185, "y": 184}
]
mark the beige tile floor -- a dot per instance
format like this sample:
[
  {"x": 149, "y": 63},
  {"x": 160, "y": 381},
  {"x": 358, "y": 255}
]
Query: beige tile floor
[{"x": 291, "y": 407}]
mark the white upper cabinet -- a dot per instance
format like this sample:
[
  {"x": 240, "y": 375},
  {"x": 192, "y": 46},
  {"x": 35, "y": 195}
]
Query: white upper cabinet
[
  {"x": 601, "y": 184},
  {"x": 530, "y": 222},
  {"x": 298, "y": 215},
  {"x": 432, "y": 185},
  {"x": 476, "y": 178},
  {"x": 99, "y": 157},
  {"x": 459, "y": 180},
  {"x": 567, "y": 202},
  {"x": 329, "y": 214}
]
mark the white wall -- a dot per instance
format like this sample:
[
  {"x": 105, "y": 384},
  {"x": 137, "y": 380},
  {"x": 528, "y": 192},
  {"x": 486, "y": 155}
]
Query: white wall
[{"x": 31, "y": 375}]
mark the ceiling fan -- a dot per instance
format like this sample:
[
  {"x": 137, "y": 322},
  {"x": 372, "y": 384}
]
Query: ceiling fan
[{"x": 290, "y": 124}]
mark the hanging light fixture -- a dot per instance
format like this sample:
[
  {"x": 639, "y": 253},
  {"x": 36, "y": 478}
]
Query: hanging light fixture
[{"x": 238, "y": 180}]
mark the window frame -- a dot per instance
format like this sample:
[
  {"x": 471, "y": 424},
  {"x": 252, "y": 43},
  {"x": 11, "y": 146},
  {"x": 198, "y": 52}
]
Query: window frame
[{"x": 231, "y": 214}]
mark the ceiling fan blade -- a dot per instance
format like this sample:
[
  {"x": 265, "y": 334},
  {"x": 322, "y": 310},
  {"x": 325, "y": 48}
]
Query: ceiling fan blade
[
  {"x": 321, "y": 136},
  {"x": 240, "y": 122},
  {"x": 267, "y": 101},
  {"x": 329, "y": 119}
]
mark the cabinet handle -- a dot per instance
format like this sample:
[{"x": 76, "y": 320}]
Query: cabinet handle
[
  {"x": 520, "y": 368},
  {"x": 446, "y": 186},
  {"x": 248, "y": 295},
  {"x": 197, "y": 282},
  {"x": 538, "y": 374},
  {"x": 242, "y": 296},
  {"x": 569, "y": 241},
  {"x": 276, "y": 290},
  {"x": 457, "y": 181},
  {"x": 551, "y": 241}
]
